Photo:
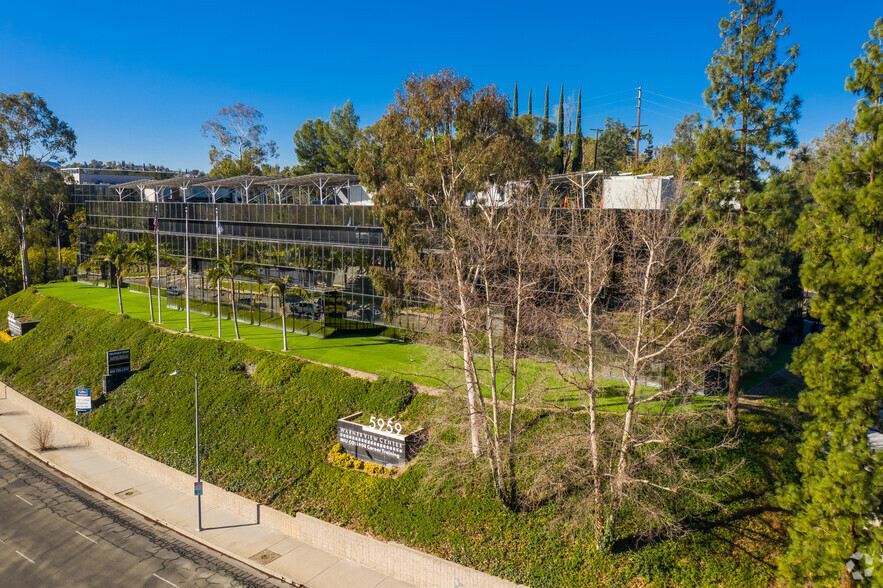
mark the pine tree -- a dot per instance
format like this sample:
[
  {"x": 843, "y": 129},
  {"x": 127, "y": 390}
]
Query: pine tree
[
  {"x": 578, "y": 135},
  {"x": 842, "y": 480},
  {"x": 545, "y": 131},
  {"x": 530, "y": 102},
  {"x": 747, "y": 94},
  {"x": 515, "y": 102}
]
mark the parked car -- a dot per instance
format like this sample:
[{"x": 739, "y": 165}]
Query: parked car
[{"x": 303, "y": 308}]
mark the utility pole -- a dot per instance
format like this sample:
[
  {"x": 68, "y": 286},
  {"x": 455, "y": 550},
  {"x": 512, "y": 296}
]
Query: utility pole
[
  {"x": 638, "y": 132},
  {"x": 595, "y": 156},
  {"x": 158, "y": 276},
  {"x": 187, "y": 261},
  {"x": 218, "y": 260}
]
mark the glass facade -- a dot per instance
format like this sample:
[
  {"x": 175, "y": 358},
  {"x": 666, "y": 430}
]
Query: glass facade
[{"x": 325, "y": 252}]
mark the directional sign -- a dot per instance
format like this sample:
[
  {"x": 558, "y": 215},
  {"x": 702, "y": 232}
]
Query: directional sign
[{"x": 83, "y": 398}]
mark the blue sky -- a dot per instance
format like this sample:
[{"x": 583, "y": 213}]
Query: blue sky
[{"x": 137, "y": 80}]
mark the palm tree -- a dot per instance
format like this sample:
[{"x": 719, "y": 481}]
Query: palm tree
[
  {"x": 229, "y": 268},
  {"x": 110, "y": 250},
  {"x": 280, "y": 286},
  {"x": 144, "y": 252}
]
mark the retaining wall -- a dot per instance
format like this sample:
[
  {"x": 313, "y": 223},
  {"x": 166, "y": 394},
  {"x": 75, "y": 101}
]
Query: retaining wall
[{"x": 390, "y": 558}]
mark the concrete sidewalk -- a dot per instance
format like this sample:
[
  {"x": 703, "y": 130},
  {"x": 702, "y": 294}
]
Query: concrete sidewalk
[{"x": 248, "y": 541}]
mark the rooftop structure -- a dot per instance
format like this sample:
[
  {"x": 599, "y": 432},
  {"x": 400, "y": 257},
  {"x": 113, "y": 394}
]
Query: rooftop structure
[{"x": 319, "y": 188}]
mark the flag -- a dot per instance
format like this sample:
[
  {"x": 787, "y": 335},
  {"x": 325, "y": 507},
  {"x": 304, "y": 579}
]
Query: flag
[
  {"x": 220, "y": 228},
  {"x": 155, "y": 226}
]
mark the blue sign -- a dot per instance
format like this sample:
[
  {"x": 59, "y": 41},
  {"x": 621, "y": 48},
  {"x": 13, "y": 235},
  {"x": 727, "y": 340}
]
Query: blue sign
[
  {"x": 83, "y": 398},
  {"x": 197, "y": 488}
]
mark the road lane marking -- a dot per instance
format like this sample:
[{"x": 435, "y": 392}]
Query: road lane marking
[
  {"x": 166, "y": 581},
  {"x": 24, "y": 556},
  {"x": 25, "y": 501},
  {"x": 89, "y": 538}
]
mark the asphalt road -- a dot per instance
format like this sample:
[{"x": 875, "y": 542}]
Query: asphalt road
[{"x": 54, "y": 532}]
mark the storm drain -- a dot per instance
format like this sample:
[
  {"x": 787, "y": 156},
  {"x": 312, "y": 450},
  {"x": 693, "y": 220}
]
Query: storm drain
[{"x": 266, "y": 556}]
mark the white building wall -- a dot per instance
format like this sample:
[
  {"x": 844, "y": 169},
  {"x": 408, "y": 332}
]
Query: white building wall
[{"x": 640, "y": 192}]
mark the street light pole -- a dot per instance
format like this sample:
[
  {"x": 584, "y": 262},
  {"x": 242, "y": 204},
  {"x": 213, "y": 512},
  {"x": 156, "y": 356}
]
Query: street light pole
[{"x": 198, "y": 479}]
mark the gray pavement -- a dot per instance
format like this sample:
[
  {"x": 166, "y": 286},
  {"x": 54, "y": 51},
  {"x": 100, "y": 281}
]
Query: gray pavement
[
  {"x": 268, "y": 551},
  {"x": 56, "y": 533}
]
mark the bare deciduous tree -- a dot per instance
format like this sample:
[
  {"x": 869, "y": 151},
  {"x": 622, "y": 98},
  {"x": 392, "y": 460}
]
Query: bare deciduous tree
[{"x": 638, "y": 304}]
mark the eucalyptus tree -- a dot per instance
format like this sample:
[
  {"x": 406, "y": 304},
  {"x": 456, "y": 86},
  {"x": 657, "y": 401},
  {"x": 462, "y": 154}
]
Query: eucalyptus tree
[
  {"x": 30, "y": 136},
  {"x": 238, "y": 143},
  {"x": 438, "y": 142},
  {"x": 230, "y": 268}
]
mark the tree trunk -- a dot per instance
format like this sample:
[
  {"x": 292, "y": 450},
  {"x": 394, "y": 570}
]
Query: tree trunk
[
  {"x": 23, "y": 248},
  {"x": 626, "y": 441},
  {"x": 469, "y": 374},
  {"x": 493, "y": 433},
  {"x": 58, "y": 248},
  {"x": 119, "y": 280},
  {"x": 736, "y": 369},
  {"x": 284, "y": 331},
  {"x": 598, "y": 522},
  {"x": 233, "y": 302}
]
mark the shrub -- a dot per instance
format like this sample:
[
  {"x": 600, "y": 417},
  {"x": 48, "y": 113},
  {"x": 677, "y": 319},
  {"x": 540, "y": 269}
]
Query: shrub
[
  {"x": 340, "y": 458},
  {"x": 388, "y": 396},
  {"x": 41, "y": 434}
]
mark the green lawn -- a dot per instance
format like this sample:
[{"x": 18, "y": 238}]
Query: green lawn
[
  {"x": 369, "y": 354},
  {"x": 416, "y": 363}
]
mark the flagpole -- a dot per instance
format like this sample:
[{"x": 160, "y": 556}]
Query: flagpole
[
  {"x": 217, "y": 260},
  {"x": 187, "y": 262},
  {"x": 158, "y": 276}
]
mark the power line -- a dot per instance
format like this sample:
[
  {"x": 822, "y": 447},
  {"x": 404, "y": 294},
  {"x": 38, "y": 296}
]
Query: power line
[
  {"x": 661, "y": 114},
  {"x": 675, "y": 99},
  {"x": 606, "y": 95},
  {"x": 667, "y": 106}
]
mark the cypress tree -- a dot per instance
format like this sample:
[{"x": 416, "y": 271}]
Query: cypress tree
[
  {"x": 578, "y": 135},
  {"x": 841, "y": 483},
  {"x": 530, "y": 102},
  {"x": 515, "y": 102},
  {"x": 559, "y": 163},
  {"x": 746, "y": 94},
  {"x": 545, "y": 131},
  {"x": 560, "y": 133}
]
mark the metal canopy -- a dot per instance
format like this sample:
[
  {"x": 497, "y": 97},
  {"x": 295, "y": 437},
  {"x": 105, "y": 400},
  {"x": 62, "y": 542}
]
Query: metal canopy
[
  {"x": 580, "y": 180},
  {"x": 234, "y": 182},
  {"x": 252, "y": 188},
  {"x": 318, "y": 180}
]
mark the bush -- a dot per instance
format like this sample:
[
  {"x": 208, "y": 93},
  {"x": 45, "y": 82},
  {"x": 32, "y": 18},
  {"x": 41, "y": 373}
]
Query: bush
[
  {"x": 388, "y": 396},
  {"x": 340, "y": 458},
  {"x": 41, "y": 434}
]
